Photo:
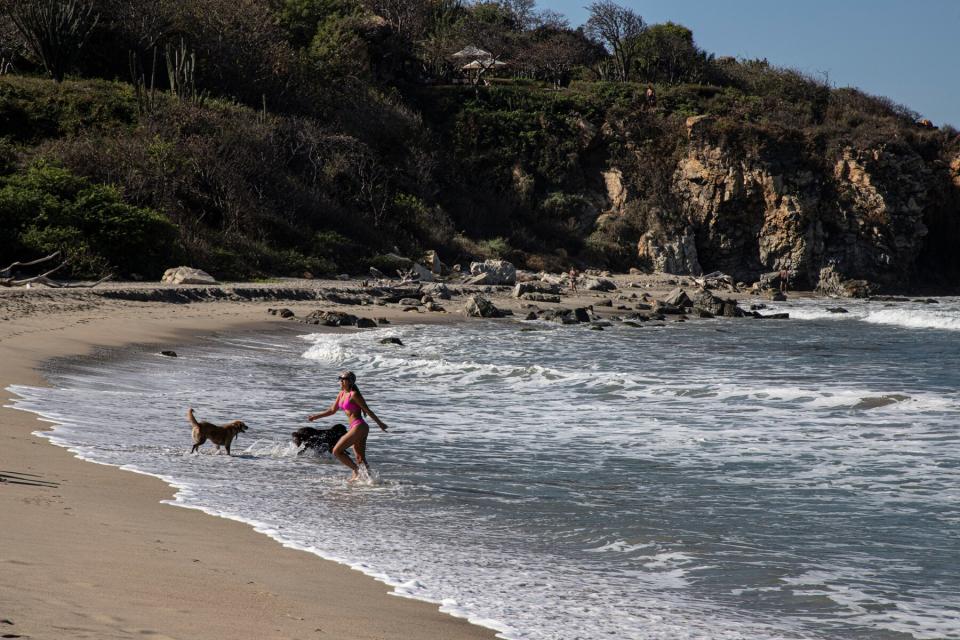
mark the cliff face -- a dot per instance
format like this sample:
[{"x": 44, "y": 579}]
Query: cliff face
[{"x": 862, "y": 215}]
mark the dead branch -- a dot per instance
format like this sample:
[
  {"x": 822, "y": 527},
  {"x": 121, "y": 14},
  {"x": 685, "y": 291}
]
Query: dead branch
[
  {"x": 8, "y": 280},
  {"x": 6, "y": 273},
  {"x": 56, "y": 284}
]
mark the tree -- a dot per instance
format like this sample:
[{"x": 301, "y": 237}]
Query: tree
[
  {"x": 666, "y": 53},
  {"x": 53, "y": 31},
  {"x": 618, "y": 29},
  {"x": 405, "y": 17},
  {"x": 554, "y": 53}
]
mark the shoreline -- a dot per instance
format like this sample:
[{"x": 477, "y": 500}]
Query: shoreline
[
  {"x": 98, "y": 553},
  {"x": 128, "y": 525}
]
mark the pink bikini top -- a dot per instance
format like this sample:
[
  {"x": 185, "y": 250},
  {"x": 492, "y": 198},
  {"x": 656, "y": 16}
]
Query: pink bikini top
[{"x": 345, "y": 402}]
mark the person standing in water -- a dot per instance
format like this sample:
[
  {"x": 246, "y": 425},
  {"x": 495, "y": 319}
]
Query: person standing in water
[{"x": 353, "y": 404}]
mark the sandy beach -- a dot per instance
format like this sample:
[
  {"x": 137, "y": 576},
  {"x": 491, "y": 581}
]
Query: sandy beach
[{"x": 90, "y": 551}]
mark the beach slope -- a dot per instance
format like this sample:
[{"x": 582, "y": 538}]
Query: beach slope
[{"x": 90, "y": 551}]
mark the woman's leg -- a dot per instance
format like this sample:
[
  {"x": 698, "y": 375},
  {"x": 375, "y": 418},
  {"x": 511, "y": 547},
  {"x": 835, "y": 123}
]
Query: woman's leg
[
  {"x": 352, "y": 436},
  {"x": 360, "y": 449}
]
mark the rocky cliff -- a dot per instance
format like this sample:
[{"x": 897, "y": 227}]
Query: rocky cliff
[{"x": 859, "y": 214}]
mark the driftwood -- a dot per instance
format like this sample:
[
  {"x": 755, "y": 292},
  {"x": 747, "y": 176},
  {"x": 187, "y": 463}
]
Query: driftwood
[
  {"x": 8, "y": 280},
  {"x": 408, "y": 275}
]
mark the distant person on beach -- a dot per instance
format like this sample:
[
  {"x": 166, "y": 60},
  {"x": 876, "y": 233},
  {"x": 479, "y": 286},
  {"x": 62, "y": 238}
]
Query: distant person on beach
[
  {"x": 573, "y": 279},
  {"x": 355, "y": 407},
  {"x": 784, "y": 279}
]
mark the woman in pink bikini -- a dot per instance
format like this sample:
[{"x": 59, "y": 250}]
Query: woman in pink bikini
[{"x": 353, "y": 404}]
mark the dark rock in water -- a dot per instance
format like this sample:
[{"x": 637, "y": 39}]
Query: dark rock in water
[
  {"x": 631, "y": 323},
  {"x": 757, "y": 307},
  {"x": 395, "y": 341},
  {"x": 772, "y": 316},
  {"x": 706, "y": 301},
  {"x": 778, "y": 296},
  {"x": 703, "y": 313},
  {"x": 365, "y": 323},
  {"x": 581, "y": 314},
  {"x": 531, "y": 316},
  {"x": 562, "y": 316},
  {"x": 881, "y": 401},
  {"x": 168, "y": 353},
  {"x": 330, "y": 319},
  {"x": 638, "y": 316},
  {"x": 382, "y": 321},
  {"x": 596, "y": 328},
  {"x": 666, "y": 308},
  {"x": 837, "y": 310},
  {"x": 888, "y": 299},
  {"x": 928, "y": 301},
  {"x": 601, "y": 323}
]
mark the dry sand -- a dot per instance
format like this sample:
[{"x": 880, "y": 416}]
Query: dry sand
[{"x": 89, "y": 551}]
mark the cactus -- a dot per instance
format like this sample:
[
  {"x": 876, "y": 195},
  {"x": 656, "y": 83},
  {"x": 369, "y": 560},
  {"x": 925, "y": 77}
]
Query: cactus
[{"x": 54, "y": 30}]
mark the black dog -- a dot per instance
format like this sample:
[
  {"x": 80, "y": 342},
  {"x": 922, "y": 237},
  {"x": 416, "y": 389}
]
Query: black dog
[{"x": 320, "y": 440}]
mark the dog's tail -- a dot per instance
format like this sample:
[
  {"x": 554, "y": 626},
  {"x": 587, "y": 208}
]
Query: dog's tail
[{"x": 193, "y": 421}]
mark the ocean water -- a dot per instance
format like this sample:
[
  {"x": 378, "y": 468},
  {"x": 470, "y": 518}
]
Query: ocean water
[{"x": 716, "y": 479}]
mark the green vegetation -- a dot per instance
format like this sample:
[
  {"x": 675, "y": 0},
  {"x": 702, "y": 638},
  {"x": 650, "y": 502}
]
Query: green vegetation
[
  {"x": 47, "y": 209},
  {"x": 324, "y": 133}
]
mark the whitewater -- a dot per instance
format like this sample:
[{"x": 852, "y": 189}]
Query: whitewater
[{"x": 737, "y": 479}]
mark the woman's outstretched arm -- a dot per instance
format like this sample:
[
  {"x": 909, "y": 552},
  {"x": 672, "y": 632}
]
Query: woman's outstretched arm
[{"x": 323, "y": 414}]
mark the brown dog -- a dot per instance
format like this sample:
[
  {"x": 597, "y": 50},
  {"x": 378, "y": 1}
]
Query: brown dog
[{"x": 220, "y": 436}]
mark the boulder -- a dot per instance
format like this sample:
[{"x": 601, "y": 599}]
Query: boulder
[
  {"x": 706, "y": 301},
  {"x": 409, "y": 302},
  {"x": 479, "y": 307},
  {"x": 168, "y": 353},
  {"x": 501, "y": 271},
  {"x": 678, "y": 298},
  {"x": 598, "y": 284},
  {"x": 365, "y": 323},
  {"x": 535, "y": 286},
  {"x": 330, "y": 319},
  {"x": 480, "y": 279},
  {"x": 187, "y": 275},
  {"x": 541, "y": 297},
  {"x": 422, "y": 273},
  {"x": 395, "y": 341},
  {"x": 437, "y": 290},
  {"x": 432, "y": 262},
  {"x": 832, "y": 283},
  {"x": 666, "y": 308}
]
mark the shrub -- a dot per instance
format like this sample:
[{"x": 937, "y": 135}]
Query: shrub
[{"x": 47, "y": 208}]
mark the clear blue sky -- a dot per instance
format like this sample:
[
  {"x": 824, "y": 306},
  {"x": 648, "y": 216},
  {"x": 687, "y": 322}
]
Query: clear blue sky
[{"x": 907, "y": 50}]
